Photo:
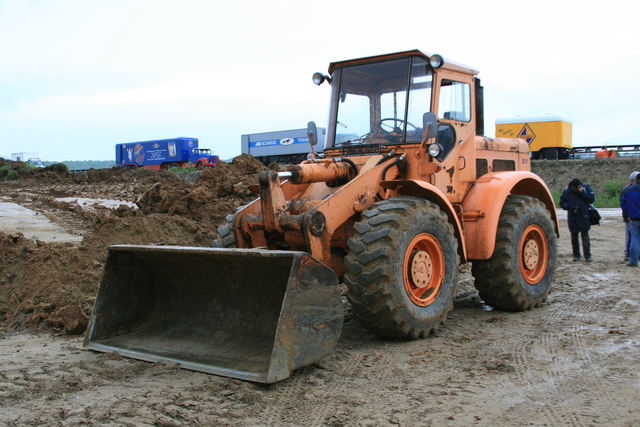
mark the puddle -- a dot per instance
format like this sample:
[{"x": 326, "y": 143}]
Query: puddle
[
  {"x": 607, "y": 214},
  {"x": 15, "y": 218},
  {"x": 89, "y": 202}
]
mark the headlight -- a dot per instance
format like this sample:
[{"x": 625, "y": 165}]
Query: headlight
[
  {"x": 435, "y": 150},
  {"x": 436, "y": 61},
  {"x": 319, "y": 78}
]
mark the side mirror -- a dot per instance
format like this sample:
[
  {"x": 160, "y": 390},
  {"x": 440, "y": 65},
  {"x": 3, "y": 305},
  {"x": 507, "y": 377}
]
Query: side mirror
[
  {"x": 430, "y": 125},
  {"x": 312, "y": 133}
]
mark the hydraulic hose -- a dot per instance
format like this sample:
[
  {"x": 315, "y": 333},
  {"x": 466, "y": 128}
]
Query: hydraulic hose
[
  {"x": 354, "y": 168},
  {"x": 389, "y": 155},
  {"x": 389, "y": 166}
]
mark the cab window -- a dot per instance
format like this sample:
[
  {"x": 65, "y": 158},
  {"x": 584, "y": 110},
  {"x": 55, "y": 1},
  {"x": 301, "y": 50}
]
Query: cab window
[{"x": 455, "y": 101}]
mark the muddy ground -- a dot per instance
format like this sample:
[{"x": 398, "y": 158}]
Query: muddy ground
[{"x": 574, "y": 361}]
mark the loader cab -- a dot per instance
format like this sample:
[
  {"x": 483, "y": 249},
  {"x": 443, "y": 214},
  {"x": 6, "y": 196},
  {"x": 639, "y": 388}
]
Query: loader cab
[{"x": 380, "y": 102}]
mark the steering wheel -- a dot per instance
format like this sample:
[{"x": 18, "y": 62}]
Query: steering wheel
[
  {"x": 381, "y": 132},
  {"x": 395, "y": 128}
]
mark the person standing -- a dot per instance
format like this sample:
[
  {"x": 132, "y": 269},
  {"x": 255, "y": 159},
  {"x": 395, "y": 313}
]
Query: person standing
[
  {"x": 627, "y": 224},
  {"x": 576, "y": 200},
  {"x": 630, "y": 204}
]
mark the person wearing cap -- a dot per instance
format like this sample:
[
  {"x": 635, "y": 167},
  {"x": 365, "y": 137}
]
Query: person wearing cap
[
  {"x": 627, "y": 224},
  {"x": 576, "y": 200},
  {"x": 630, "y": 204}
]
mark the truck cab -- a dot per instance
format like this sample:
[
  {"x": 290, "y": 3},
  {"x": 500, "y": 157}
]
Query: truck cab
[
  {"x": 202, "y": 157},
  {"x": 35, "y": 161}
]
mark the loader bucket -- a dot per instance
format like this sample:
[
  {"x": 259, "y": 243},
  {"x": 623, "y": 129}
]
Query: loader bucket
[{"x": 250, "y": 314}]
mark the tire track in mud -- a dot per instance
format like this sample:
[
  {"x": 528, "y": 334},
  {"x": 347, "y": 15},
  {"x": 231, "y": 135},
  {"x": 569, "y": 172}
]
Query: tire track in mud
[
  {"x": 562, "y": 359},
  {"x": 540, "y": 390},
  {"x": 318, "y": 395}
]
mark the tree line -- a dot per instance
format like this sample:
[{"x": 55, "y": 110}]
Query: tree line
[{"x": 85, "y": 164}]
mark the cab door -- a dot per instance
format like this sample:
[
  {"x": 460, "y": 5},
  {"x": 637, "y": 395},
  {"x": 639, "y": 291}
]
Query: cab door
[{"x": 454, "y": 101}]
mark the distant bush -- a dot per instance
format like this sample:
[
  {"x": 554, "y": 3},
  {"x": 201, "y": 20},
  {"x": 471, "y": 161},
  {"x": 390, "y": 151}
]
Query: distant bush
[
  {"x": 59, "y": 168},
  {"x": 190, "y": 168},
  {"x": 611, "y": 196},
  {"x": 614, "y": 188},
  {"x": 8, "y": 174},
  {"x": 86, "y": 164}
]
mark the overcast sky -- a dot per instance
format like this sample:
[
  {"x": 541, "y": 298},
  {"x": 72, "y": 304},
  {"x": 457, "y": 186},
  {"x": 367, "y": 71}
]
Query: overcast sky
[{"x": 79, "y": 76}]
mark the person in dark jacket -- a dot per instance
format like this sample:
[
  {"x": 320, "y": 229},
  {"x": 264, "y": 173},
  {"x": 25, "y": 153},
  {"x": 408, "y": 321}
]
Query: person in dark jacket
[
  {"x": 627, "y": 223},
  {"x": 576, "y": 200},
  {"x": 630, "y": 204}
]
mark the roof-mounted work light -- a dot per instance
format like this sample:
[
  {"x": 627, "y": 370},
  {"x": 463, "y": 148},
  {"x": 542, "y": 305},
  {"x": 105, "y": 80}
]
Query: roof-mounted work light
[
  {"x": 319, "y": 78},
  {"x": 436, "y": 61}
]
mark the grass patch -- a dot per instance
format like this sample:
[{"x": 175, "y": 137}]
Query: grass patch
[{"x": 190, "y": 168}]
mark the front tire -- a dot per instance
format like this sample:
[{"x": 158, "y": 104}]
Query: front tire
[
  {"x": 402, "y": 268},
  {"x": 519, "y": 274},
  {"x": 226, "y": 235}
]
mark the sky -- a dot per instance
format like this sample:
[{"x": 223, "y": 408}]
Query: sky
[{"x": 79, "y": 76}]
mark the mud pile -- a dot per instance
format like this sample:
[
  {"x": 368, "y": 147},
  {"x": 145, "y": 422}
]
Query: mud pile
[
  {"x": 217, "y": 193},
  {"x": 46, "y": 286},
  {"x": 595, "y": 172},
  {"x": 52, "y": 286}
]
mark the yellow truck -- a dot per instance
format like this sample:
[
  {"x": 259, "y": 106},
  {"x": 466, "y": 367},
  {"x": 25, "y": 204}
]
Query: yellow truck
[{"x": 549, "y": 136}]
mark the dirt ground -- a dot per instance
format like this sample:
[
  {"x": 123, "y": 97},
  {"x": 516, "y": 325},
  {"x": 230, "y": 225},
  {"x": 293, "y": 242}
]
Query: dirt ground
[{"x": 574, "y": 361}]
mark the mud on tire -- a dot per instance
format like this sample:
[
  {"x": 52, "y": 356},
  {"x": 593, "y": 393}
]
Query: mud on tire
[
  {"x": 519, "y": 274},
  {"x": 402, "y": 268}
]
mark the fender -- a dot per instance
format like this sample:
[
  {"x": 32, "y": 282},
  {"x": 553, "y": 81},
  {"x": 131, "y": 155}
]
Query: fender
[
  {"x": 483, "y": 204},
  {"x": 205, "y": 161},
  {"x": 427, "y": 191}
]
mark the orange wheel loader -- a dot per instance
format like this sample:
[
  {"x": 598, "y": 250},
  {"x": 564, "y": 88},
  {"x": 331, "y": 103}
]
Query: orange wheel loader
[{"x": 406, "y": 190}]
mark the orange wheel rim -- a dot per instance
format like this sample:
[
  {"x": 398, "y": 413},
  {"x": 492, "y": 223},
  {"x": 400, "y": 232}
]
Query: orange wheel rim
[
  {"x": 534, "y": 254},
  {"x": 423, "y": 269}
]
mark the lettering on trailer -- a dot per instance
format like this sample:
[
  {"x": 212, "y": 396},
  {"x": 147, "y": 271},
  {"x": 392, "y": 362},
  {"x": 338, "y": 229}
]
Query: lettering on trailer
[
  {"x": 139, "y": 153},
  {"x": 527, "y": 134},
  {"x": 283, "y": 141}
]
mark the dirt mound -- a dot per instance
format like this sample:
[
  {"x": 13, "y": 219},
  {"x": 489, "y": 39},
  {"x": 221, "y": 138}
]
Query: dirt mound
[
  {"x": 217, "y": 192},
  {"x": 52, "y": 286},
  {"x": 45, "y": 285},
  {"x": 595, "y": 172}
]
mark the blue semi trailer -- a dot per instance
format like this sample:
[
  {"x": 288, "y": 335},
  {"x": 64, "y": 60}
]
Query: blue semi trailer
[
  {"x": 164, "y": 153},
  {"x": 285, "y": 146}
]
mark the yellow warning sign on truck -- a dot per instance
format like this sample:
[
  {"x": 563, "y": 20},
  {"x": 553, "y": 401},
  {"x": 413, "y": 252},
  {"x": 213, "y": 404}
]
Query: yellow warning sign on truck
[{"x": 548, "y": 135}]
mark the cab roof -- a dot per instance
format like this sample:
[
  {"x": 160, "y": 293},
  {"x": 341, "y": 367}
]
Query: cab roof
[{"x": 448, "y": 65}]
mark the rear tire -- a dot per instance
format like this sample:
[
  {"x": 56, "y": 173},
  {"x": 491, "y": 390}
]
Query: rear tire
[
  {"x": 227, "y": 238},
  {"x": 402, "y": 268},
  {"x": 519, "y": 274},
  {"x": 551, "y": 154}
]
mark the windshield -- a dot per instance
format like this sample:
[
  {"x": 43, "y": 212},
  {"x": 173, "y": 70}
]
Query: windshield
[{"x": 382, "y": 102}]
